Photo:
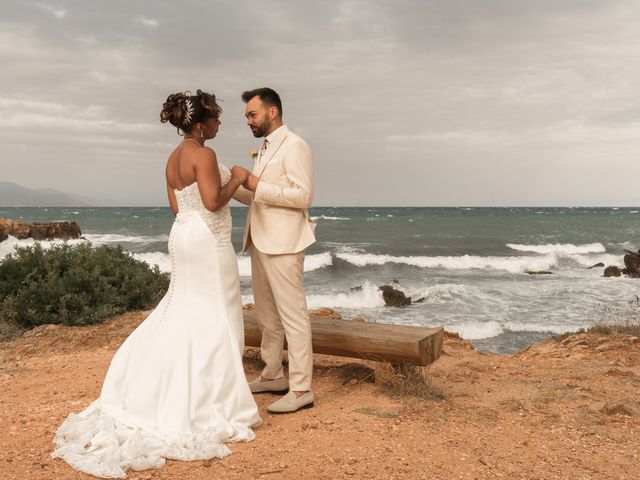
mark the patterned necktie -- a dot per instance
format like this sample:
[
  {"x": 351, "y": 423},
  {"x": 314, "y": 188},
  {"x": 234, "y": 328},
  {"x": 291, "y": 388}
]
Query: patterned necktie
[{"x": 263, "y": 148}]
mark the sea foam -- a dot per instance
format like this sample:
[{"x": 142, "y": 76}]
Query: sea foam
[
  {"x": 464, "y": 262},
  {"x": 476, "y": 330},
  {"x": 11, "y": 243},
  {"x": 327, "y": 217},
  {"x": 163, "y": 261},
  {"x": 369, "y": 296},
  {"x": 114, "y": 238},
  {"x": 590, "y": 260},
  {"x": 473, "y": 330},
  {"x": 559, "y": 248}
]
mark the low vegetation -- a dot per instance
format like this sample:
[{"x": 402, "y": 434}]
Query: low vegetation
[
  {"x": 75, "y": 284},
  {"x": 611, "y": 320},
  {"x": 405, "y": 379}
]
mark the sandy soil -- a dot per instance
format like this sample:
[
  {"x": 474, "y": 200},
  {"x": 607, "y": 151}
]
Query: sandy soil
[{"x": 567, "y": 408}]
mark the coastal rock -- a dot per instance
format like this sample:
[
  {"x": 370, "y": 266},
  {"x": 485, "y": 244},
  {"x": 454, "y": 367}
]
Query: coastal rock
[
  {"x": 612, "y": 271},
  {"x": 39, "y": 230},
  {"x": 631, "y": 266},
  {"x": 632, "y": 263},
  {"x": 15, "y": 228},
  {"x": 46, "y": 231},
  {"x": 454, "y": 339},
  {"x": 326, "y": 313},
  {"x": 394, "y": 297},
  {"x": 599, "y": 264},
  {"x": 630, "y": 273},
  {"x": 539, "y": 272}
]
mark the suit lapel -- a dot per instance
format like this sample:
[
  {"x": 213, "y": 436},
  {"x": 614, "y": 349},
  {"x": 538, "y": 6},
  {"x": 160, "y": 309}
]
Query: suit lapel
[{"x": 270, "y": 152}]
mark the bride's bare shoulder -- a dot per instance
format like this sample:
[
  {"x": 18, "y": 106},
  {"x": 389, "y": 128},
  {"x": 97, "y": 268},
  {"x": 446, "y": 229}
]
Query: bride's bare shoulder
[{"x": 200, "y": 153}]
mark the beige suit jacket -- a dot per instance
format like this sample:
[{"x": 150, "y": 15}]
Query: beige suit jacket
[{"x": 278, "y": 220}]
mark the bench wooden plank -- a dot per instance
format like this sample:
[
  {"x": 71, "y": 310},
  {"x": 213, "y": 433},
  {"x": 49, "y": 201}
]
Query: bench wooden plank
[{"x": 371, "y": 341}]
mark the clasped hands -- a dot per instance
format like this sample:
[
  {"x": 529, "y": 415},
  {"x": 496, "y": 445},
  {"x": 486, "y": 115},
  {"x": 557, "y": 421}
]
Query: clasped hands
[{"x": 245, "y": 177}]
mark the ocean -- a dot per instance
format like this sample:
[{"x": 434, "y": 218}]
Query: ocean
[{"x": 469, "y": 264}]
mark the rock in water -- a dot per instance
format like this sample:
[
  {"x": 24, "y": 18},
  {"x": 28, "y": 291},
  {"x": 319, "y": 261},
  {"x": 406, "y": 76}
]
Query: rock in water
[
  {"x": 631, "y": 266},
  {"x": 393, "y": 297},
  {"x": 632, "y": 263},
  {"x": 612, "y": 271},
  {"x": 16, "y": 229},
  {"x": 39, "y": 230},
  {"x": 599, "y": 264}
]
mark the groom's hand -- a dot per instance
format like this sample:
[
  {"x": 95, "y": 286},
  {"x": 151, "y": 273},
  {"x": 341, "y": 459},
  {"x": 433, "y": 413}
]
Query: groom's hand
[
  {"x": 251, "y": 183},
  {"x": 239, "y": 173}
]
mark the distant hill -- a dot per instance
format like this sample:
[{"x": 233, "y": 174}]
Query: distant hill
[{"x": 14, "y": 195}]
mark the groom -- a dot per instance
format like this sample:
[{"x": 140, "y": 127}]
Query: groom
[{"x": 279, "y": 192}]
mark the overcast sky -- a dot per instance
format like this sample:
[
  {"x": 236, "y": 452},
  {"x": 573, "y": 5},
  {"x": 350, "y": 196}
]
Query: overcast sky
[{"x": 404, "y": 103}]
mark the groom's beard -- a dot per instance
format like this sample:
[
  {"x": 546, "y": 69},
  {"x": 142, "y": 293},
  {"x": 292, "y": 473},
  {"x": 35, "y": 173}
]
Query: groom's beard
[{"x": 260, "y": 130}]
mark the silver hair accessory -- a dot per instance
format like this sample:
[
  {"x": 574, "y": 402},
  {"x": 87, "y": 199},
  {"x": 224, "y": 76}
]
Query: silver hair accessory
[{"x": 188, "y": 114}]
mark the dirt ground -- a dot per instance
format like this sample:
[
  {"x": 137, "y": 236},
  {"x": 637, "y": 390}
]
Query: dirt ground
[{"x": 566, "y": 408}]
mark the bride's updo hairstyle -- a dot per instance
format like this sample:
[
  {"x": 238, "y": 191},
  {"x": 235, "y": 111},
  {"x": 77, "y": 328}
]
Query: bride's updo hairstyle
[{"x": 183, "y": 110}]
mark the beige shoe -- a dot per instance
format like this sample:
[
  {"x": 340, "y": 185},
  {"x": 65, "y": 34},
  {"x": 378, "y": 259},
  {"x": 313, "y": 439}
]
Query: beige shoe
[
  {"x": 289, "y": 403},
  {"x": 279, "y": 385}
]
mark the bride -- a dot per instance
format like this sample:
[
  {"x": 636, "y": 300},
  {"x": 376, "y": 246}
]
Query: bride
[{"x": 176, "y": 387}]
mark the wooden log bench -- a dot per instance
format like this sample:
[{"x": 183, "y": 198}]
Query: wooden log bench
[{"x": 370, "y": 341}]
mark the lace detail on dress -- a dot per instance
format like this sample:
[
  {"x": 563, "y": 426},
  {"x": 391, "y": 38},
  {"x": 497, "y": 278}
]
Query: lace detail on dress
[{"x": 219, "y": 222}]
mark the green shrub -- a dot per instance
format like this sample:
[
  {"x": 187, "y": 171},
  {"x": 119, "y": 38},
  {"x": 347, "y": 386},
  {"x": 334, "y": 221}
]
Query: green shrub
[{"x": 75, "y": 284}]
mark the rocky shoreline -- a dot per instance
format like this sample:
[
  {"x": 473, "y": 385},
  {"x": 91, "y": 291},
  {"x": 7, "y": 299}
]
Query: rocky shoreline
[
  {"x": 38, "y": 230},
  {"x": 631, "y": 266}
]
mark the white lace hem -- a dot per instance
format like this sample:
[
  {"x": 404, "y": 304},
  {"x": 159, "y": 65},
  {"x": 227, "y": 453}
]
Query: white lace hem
[{"x": 95, "y": 443}]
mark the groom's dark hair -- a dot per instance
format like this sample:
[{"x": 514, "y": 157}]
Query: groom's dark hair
[{"x": 267, "y": 95}]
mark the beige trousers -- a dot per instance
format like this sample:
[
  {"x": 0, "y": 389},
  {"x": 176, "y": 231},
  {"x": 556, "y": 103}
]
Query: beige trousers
[{"x": 281, "y": 308}]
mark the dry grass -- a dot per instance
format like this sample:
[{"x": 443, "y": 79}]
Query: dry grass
[
  {"x": 251, "y": 358},
  {"x": 9, "y": 330},
  {"x": 405, "y": 379},
  {"x": 374, "y": 412},
  {"x": 356, "y": 371},
  {"x": 611, "y": 320}
]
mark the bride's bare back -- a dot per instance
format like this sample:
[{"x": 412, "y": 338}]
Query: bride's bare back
[{"x": 190, "y": 163}]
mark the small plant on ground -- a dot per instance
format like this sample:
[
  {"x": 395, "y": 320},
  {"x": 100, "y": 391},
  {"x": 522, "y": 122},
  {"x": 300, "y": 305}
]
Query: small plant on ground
[
  {"x": 405, "y": 379},
  {"x": 609, "y": 320}
]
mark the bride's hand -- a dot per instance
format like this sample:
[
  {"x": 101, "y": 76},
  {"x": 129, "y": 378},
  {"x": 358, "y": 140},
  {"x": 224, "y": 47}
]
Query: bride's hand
[{"x": 239, "y": 173}]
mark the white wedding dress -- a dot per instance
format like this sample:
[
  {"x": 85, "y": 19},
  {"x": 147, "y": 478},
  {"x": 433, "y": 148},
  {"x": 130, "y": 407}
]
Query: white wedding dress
[{"x": 176, "y": 387}]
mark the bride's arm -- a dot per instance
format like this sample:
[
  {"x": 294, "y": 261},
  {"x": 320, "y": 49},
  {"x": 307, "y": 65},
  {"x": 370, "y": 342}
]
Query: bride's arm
[
  {"x": 243, "y": 196},
  {"x": 173, "y": 203},
  {"x": 214, "y": 196}
]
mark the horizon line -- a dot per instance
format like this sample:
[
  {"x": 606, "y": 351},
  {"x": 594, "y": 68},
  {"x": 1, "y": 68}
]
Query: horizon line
[{"x": 340, "y": 206}]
